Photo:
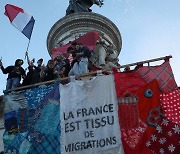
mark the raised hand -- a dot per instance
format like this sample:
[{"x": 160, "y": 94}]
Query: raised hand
[{"x": 1, "y": 63}]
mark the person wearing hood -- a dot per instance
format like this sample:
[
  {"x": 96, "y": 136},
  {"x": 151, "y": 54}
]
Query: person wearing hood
[{"x": 15, "y": 73}]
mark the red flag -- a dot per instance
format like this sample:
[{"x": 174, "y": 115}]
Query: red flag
[{"x": 89, "y": 39}]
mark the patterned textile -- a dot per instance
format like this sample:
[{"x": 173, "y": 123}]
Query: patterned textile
[
  {"x": 22, "y": 117},
  {"x": 134, "y": 139},
  {"x": 10, "y": 122},
  {"x": 33, "y": 116},
  {"x": 11, "y": 125},
  {"x": 12, "y": 142},
  {"x": 155, "y": 116},
  {"x": 14, "y": 101},
  {"x": 133, "y": 136},
  {"x": 147, "y": 103},
  {"x": 127, "y": 82},
  {"x": 35, "y": 95},
  {"x": 43, "y": 124},
  {"x": 171, "y": 104},
  {"x": 163, "y": 74},
  {"x": 128, "y": 112},
  {"x": 34, "y": 135},
  {"x": 50, "y": 145},
  {"x": 53, "y": 96},
  {"x": 9, "y": 115},
  {"x": 138, "y": 146},
  {"x": 19, "y": 138},
  {"x": 25, "y": 146},
  {"x": 166, "y": 139}
]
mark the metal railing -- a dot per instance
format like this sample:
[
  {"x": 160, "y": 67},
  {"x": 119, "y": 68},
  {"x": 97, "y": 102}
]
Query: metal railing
[{"x": 90, "y": 73}]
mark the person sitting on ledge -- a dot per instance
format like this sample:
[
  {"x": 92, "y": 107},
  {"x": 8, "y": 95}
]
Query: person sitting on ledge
[
  {"x": 15, "y": 72},
  {"x": 82, "y": 53}
]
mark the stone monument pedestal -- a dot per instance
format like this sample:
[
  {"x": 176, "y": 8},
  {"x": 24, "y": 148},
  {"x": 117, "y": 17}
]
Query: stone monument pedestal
[{"x": 75, "y": 25}]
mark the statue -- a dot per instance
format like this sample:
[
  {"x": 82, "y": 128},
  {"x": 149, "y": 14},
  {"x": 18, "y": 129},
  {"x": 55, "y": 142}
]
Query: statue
[
  {"x": 76, "y": 6},
  {"x": 104, "y": 56}
]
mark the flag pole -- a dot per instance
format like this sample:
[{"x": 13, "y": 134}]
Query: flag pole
[
  {"x": 28, "y": 45},
  {"x": 27, "y": 48},
  {"x": 29, "y": 39}
]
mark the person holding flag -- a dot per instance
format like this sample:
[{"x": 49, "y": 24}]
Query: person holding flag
[{"x": 24, "y": 22}]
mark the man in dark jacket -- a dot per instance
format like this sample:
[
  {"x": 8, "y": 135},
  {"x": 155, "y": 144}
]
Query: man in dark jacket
[{"x": 14, "y": 74}]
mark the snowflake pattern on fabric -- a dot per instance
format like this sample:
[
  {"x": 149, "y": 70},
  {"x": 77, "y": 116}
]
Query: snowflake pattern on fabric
[
  {"x": 35, "y": 95},
  {"x": 132, "y": 136},
  {"x": 166, "y": 139},
  {"x": 171, "y": 104},
  {"x": 32, "y": 139}
]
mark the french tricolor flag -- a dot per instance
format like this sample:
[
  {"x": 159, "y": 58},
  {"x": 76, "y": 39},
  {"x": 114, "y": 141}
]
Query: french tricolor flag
[{"x": 20, "y": 19}]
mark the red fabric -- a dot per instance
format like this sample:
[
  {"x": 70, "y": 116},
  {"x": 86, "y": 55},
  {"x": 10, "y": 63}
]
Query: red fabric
[
  {"x": 166, "y": 139},
  {"x": 162, "y": 73},
  {"x": 127, "y": 82},
  {"x": 61, "y": 49},
  {"x": 89, "y": 39},
  {"x": 12, "y": 11},
  {"x": 170, "y": 103},
  {"x": 128, "y": 112},
  {"x": 146, "y": 104},
  {"x": 140, "y": 147},
  {"x": 144, "y": 131},
  {"x": 133, "y": 136}
]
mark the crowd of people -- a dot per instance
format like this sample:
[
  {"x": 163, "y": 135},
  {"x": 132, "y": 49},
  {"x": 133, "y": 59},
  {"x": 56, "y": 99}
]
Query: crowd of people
[{"x": 59, "y": 67}]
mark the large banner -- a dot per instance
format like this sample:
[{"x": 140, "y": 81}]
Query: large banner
[
  {"x": 89, "y": 117},
  {"x": 81, "y": 117}
]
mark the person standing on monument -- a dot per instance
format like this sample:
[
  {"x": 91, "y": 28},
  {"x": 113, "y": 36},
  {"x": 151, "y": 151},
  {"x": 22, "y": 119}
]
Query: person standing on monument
[
  {"x": 33, "y": 75},
  {"x": 15, "y": 73}
]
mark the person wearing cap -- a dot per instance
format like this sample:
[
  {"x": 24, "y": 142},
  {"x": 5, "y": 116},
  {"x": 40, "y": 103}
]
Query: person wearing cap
[
  {"x": 37, "y": 71},
  {"x": 15, "y": 73},
  {"x": 33, "y": 74}
]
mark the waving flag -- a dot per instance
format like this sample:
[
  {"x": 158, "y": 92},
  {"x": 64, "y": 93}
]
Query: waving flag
[{"x": 20, "y": 19}]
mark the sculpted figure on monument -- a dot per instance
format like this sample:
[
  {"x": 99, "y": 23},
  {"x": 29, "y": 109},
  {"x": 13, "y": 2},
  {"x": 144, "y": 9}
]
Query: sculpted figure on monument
[
  {"x": 104, "y": 56},
  {"x": 76, "y": 6}
]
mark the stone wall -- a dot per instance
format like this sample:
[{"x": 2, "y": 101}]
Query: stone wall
[{"x": 74, "y": 25}]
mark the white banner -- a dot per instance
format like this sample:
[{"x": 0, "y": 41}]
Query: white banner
[{"x": 89, "y": 117}]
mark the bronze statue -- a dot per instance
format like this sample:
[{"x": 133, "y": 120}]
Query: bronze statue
[{"x": 76, "y": 6}]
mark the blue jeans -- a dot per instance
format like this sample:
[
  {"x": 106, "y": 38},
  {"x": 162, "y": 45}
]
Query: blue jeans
[{"x": 12, "y": 83}]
